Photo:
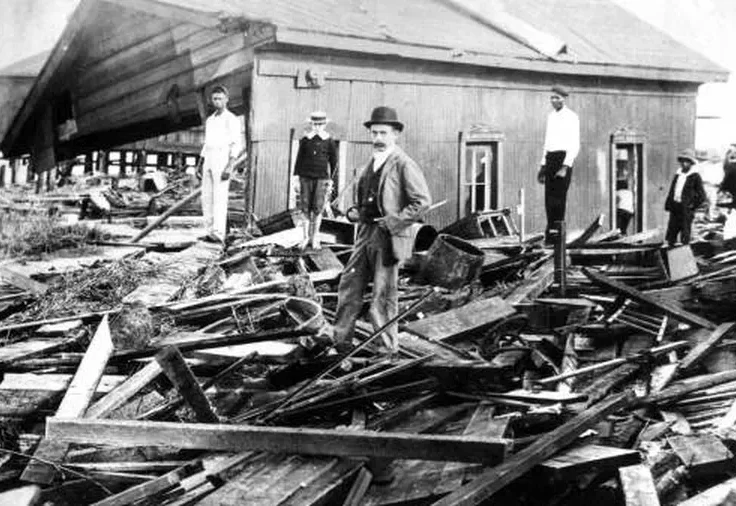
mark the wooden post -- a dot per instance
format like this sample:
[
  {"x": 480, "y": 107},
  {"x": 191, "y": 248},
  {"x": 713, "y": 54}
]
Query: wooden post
[
  {"x": 521, "y": 211},
  {"x": 168, "y": 213},
  {"x": 178, "y": 372},
  {"x": 561, "y": 258}
]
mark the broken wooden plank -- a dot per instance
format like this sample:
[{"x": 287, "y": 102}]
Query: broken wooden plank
[
  {"x": 125, "y": 391},
  {"x": 683, "y": 387},
  {"x": 620, "y": 288},
  {"x": 28, "y": 495},
  {"x": 14, "y": 278},
  {"x": 702, "y": 454},
  {"x": 171, "y": 210},
  {"x": 178, "y": 372},
  {"x": 638, "y": 486},
  {"x": 723, "y": 494},
  {"x": 706, "y": 341},
  {"x": 458, "y": 322},
  {"x": 539, "y": 281},
  {"x": 343, "y": 443},
  {"x": 582, "y": 459},
  {"x": 73, "y": 405},
  {"x": 495, "y": 479},
  {"x": 587, "y": 233},
  {"x": 31, "y": 348},
  {"x": 152, "y": 487},
  {"x": 681, "y": 263}
]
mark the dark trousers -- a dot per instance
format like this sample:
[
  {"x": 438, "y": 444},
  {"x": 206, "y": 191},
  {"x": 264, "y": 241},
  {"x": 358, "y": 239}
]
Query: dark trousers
[
  {"x": 681, "y": 221},
  {"x": 623, "y": 218},
  {"x": 555, "y": 189}
]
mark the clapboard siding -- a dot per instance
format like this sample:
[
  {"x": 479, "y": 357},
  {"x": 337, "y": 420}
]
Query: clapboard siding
[{"x": 437, "y": 102}]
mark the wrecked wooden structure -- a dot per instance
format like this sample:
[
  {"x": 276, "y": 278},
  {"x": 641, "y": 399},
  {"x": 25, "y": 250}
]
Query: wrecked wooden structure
[{"x": 475, "y": 116}]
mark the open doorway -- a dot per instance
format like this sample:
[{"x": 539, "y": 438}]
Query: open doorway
[{"x": 627, "y": 176}]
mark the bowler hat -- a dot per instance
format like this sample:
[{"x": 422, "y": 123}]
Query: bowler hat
[
  {"x": 559, "y": 90},
  {"x": 688, "y": 154},
  {"x": 383, "y": 115}
]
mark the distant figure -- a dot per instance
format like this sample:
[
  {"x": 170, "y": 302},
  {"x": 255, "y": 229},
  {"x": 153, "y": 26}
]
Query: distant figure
[
  {"x": 685, "y": 196},
  {"x": 561, "y": 147},
  {"x": 729, "y": 171},
  {"x": 222, "y": 145},
  {"x": 316, "y": 163},
  {"x": 624, "y": 205}
]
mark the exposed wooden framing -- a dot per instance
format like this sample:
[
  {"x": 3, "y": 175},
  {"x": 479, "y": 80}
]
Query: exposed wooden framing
[
  {"x": 178, "y": 372},
  {"x": 73, "y": 405},
  {"x": 307, "y": 441},
  {"x": 495, "y": 479},
  {"x": 638, "y": 486},
  {"x": 124, "y": 391},
  {"x": 634, "y": 294}
]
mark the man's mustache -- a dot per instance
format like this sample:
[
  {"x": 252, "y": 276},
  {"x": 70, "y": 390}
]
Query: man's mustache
[{"x": 379, "y": 144}]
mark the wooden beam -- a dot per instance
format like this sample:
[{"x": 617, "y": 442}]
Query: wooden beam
[
  {"x": 455, "y": 323},
  {"x": 343, "y": 443},
  {"x": 22, "y": 281},
  {"x": 74, "y": 404},
  {"x": 149, "y": 488},
  {"x": 634, "y": 294},
  {"x": 178, "y": 372},
  {"x": 702, "y": 454},
  {"x": 540, "y": 280},
  {"x": 495, "y": 479},
  {"x": 576, "y": 461},
  {"x": 638, "y": 486},
  {"x": 684, "y": 387},
  {"x": 186, "y": 200},
  {"x": 587, "y": 233},
  {"x": 705, "y": 343},
  {"x": 123, "y": 392}
]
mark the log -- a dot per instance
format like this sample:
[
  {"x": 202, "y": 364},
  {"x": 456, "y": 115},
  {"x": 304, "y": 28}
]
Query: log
[
  {"x": 74, "y": 404},
  {"x": 307, "y": 441},
  {"x": 458, "y": 322},
  {"x": 495, "y": 479},
  {"x": 189, "y": 198}
]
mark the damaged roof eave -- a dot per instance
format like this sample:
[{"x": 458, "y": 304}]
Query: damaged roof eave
[{"x": 297, "y": 37}]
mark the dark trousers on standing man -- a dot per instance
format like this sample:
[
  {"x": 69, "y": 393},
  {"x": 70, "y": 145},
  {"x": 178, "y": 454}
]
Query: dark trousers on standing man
[
  {"x": 681, "y": 222},
  {"x": 555, "y": 189}
]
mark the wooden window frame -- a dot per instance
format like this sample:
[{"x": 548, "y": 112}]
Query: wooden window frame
[
  {"x": 622, "y": 139},
  {"x": 480, "y": 134}
]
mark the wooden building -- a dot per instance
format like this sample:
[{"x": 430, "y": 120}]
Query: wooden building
[{"x": 470, "y": 78}]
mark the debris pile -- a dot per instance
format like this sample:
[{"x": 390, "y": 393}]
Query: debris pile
[{"x": 175, "y": 372}]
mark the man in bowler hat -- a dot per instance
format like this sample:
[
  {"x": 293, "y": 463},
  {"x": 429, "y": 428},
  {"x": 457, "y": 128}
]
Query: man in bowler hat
[
  {"x": 391, "y": 195},
  {"x": 561, "y": 147},
  {"x": 685, "y": 196}
]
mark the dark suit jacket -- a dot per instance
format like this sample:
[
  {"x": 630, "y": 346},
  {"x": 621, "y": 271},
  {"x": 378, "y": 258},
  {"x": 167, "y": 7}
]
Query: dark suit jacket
[
  {"x": 403, "y": 197},
  {"x": 693, "y": 193}
]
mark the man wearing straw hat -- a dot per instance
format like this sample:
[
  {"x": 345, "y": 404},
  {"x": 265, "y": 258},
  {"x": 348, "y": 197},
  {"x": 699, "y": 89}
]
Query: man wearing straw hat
[
  {"x": 316, "y": 163},
  {"x": 391, "y": 195},
  {"x": 685, "y": 196}
]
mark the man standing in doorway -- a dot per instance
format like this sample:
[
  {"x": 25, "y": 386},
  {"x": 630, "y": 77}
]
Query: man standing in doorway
[
  {"x": 222, "y": 145},
  {"x": 316, "y": 163},
  {"x": 561, "y": 147},
  {"x": 391, "y": 195}
]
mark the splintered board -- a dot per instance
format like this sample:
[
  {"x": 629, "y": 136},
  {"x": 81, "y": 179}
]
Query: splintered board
[{"x": 457, "y": 322}]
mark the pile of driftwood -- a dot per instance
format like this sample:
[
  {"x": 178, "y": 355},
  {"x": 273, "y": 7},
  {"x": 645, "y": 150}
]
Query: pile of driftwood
[{"x": 195, "y": 374}]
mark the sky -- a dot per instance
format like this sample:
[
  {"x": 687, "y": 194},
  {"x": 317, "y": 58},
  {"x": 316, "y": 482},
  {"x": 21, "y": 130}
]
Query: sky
[{"x": 28, "y": 27}]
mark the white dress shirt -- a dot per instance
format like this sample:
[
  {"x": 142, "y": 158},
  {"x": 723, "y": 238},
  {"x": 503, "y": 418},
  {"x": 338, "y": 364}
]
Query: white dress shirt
[
  {"x": 680, "y": 183},
  {"x": 222, "y": 132},
  {"x": 322, "y": 135},
  {"x": 379, "y": 158},
  {"x": 563, "y": 134}
]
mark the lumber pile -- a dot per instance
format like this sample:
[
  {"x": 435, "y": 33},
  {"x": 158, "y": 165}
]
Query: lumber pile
[{"x": 202, "y": 374}]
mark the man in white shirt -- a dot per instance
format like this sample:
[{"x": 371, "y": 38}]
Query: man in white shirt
[
  {"x": 222, "y": 145},
  {"x": 561, "y": 147}
]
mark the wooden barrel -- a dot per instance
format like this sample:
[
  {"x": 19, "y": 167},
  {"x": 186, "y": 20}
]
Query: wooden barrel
[{"x": 452, "y": 262}]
